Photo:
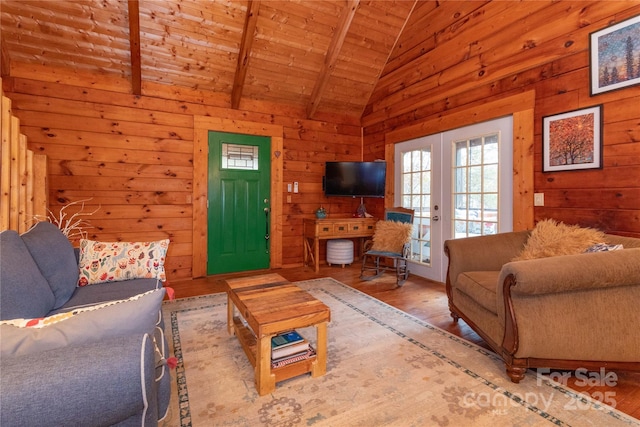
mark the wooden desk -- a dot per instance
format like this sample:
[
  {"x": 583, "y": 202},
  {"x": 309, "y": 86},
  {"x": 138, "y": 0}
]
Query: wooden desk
[
  {"x": 315, "y": 230},
  {"x": 267, "y": 305}
]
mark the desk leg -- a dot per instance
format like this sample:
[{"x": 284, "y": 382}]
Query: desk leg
[
  {"x": 307, "y": 251},
  {"x": 316, "y": 248},
  {"x": 319, "y": 366},
  {"x": 312, "y": 253},
  {"x": 265, "y": 380}
]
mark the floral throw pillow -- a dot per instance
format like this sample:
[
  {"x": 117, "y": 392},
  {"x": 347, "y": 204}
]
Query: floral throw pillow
[{"x": 102, "y": 262}]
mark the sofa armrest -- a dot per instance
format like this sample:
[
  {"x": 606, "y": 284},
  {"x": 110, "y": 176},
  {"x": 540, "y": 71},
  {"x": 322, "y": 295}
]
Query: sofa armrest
[
  {"x": 95, "y": 384},
  {"x": 571, "y": 308},
  {"x": 573, "y": 272},
  {"x": 483, "y": 253}
]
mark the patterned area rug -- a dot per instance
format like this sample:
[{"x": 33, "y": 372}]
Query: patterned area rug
[{"x": 384, "y": 368}]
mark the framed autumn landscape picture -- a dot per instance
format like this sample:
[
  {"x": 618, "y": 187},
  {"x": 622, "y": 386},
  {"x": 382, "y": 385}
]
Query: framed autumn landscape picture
[
  {"x": 572, "y": 140},
  {"x": 615, "y": 56}
]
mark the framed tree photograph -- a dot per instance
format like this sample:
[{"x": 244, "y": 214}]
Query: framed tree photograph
[
  {"x": 615, "y": 56},
  {"x": 572, "y": 140}
]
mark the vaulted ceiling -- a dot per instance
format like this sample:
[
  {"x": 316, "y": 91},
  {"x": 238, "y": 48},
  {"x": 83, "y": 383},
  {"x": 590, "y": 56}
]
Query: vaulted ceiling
[{"x": 315, "y": 55}]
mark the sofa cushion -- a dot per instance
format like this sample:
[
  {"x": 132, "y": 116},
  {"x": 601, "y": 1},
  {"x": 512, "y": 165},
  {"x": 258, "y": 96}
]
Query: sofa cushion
[
  {"x": 24, "y": 291},
  {"x": 481, "y": 287},
  {"x": 138, "y": 314},
  {"x": 102, "y": 262},
  {"x": 103, "y": 292},
  {"x": 53, "y": 253}
]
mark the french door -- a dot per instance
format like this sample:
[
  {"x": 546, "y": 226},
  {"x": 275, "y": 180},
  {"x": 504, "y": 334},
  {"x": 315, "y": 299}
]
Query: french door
[{"x": 459, "y": 184}]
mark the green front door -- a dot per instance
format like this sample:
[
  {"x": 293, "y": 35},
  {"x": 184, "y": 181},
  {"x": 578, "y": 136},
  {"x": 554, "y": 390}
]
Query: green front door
[{"x": 238, "y": 215}]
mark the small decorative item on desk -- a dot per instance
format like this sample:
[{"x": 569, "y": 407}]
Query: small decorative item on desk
[{"x": 321, "y": 213}]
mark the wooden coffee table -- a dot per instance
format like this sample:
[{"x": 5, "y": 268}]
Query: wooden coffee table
[{"x": 268, "y": 305}]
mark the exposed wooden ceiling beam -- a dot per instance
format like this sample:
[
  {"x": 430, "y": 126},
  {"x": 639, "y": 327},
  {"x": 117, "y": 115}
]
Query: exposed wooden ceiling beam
[
  {"x": 245, "y": 51},
  {"x": 332, "y": 55},
  {"x": 134, "y": 46}
]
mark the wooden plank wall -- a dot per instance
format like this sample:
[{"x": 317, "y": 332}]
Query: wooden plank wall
[
  {"x": 134, "y": 157},
  {"x": 23, "y": 176},
  {"x": 458, "y": 67}
]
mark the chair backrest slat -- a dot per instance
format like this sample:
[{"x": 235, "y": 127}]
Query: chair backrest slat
[{"x": 399, "y": 214}]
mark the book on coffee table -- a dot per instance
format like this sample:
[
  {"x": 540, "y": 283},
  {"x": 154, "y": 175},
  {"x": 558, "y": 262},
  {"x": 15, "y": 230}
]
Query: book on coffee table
[{"x": 285, "y": 339}]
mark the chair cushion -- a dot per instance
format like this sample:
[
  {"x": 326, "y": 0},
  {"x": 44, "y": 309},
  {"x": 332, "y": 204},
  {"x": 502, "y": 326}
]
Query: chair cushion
[
  {"x": 102, "y": 262},
  {"x": 385, "y": 254},
  {"x": 390, "y": 236},
  {"x": 24, "y": 291},
  {"x": 481, "y": 287},
  {"x": 138, "y": 314},
  {"x": 53, "y": 253}
]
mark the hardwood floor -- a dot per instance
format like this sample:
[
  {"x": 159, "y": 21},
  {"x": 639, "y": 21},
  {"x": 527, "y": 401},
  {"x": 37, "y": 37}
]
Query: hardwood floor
[{"x": 427, "y": 300}]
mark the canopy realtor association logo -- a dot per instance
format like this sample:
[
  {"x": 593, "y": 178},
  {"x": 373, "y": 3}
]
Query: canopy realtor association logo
[
  {"x": 498, "y": 403},
  {"x": 584, "y": 378}
]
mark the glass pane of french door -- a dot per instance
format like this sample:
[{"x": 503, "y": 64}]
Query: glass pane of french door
[
  {"x": 416, "y": 194},
  {"x": 475, "y": 185}
]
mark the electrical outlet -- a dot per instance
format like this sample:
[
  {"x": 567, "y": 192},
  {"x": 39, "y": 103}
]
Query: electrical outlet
[
  {"x": 288, "y": 198},
  {"x": 295, "y": 187},
  {"x": 538, "y": 199}
]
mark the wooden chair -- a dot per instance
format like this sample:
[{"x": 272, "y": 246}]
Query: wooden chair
[{"x": 390, "y": 248}]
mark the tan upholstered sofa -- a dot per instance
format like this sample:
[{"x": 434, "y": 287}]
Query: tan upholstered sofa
[{"x": 563, "y": 312}]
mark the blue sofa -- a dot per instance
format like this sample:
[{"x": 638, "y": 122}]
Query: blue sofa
[{"x": 103, "y": 362}]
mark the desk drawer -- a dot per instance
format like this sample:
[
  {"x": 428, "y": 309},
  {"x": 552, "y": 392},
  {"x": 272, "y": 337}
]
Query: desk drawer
[
  {"x": 325, "y": 229},
  {"x": 341, "y": 228},
  {"x": 356, "y": 227}
]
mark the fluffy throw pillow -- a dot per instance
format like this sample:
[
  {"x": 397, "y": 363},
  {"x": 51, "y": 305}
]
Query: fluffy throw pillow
[
  {"x": 138, "y": 314},
  {"x": 114, "y": 261},
  {"x": 550, "y": 238},
  {"x": 390, "y": 236}
]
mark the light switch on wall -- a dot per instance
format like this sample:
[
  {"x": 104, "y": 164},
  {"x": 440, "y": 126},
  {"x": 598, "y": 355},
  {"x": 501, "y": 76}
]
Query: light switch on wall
[
  {"x": 295, "y": 187},
  {"x": 538, "y": 199},
  {"x": 288, "y": 187}
]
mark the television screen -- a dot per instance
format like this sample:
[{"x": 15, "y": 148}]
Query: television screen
[{"x": 355, "y": 179}]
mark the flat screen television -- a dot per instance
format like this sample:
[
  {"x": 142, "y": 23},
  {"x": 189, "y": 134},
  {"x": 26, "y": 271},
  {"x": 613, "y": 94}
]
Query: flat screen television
[{"x": 355, "y": 179}]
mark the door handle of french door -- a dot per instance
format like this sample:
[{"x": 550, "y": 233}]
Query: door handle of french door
[{"x": 435, "y": 218}]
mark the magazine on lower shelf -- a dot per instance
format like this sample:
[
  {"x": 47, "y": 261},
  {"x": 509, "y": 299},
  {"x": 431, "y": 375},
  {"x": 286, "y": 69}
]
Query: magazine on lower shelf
[
  {"x": 288, "y": 350},
  {"x": 278, "y": 363}
]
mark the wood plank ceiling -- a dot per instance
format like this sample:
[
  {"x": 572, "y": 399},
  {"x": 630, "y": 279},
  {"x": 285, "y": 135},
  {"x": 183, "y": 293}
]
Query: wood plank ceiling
[{"x": 318, "y": 56}]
